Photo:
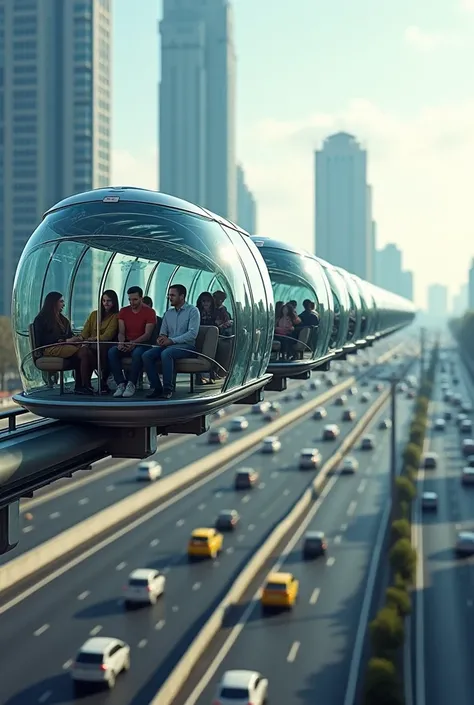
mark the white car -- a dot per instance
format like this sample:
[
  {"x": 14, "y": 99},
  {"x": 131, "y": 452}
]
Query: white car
[
  {"x": 365, "y": 397},
  {"x": 145, "y": 585},
  {"x": 148, "y": 471},
  {"x": 429, "y": 501},
  {"x": 272, "y": 444},
  {"x": 218, "y": 436},
  {"x": 467, "y": 476},
  {"x": 320, "y": 413},
  {"x": 465, "y": 543},
  {"x": 309, "y": 458},
  {"x": 239, "y": 423},
  {"x": 349, "y": 465},
  {"x": 466, "y": 426},
  {"x": 100, "y": 660},
  {"x": 261, "y": 408},
  {"x": 331, "y": 432},
  {"x": 439, "y": 425},
  {"x": 241, "y": 688},
  {"x": 353, "y": 391}
]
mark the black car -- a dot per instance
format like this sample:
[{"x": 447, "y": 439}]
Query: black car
[{"x": 314, "y": 544}]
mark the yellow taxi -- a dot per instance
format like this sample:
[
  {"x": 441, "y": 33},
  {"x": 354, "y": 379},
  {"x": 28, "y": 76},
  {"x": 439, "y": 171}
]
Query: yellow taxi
[
  {"x": 280, "y": 590},
  {"x": 205, "y": 543}
]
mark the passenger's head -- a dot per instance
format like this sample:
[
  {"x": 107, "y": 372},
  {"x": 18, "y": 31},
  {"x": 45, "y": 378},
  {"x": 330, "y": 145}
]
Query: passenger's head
[
  {"x": 53, "y": 305},
  {"x": 278, "y": 309},
  {"x": 109, "y": 303},
  {"x": 135, "y": 296},
  {"x": 148, "y": 301},
  {"x": 206, "y": 302},
  {"x": 289, "y": 310},
  {"x": 293, "y": 303},
  {"x": 308, "y": 305},
  {"x": 219, "y": 297},
  {"x": 177, "y": 295}
]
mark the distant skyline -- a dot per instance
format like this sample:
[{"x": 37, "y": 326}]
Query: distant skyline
[{"x": 407, "y": 96}]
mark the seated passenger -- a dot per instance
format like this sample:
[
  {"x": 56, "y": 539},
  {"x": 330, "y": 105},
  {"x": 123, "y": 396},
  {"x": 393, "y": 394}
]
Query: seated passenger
[
  {"x": 53, "y": 333},
  {"x": 136, "y": 323},
  {"x": 148, "y": 301},
  {"x": 309, "y": 317},
  {"x": 222, "y": 318},
  {"x": 177, "y": 339},
  {"x": 207, "y": 311},
  {"x": 285, "y": 326},
  {"x": 108, "y": 328}
]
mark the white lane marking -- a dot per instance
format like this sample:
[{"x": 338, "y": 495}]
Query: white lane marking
[
  {"x": 84, "y": 500},
  {"x": 196, "y": 586},
  {"x": 218, "y": 495},
  {"x": 41, "y": 630},
  {"x": 180, "y": 522},
  {"x": 293, "y": 651},
  {"x": 241, "y": 537},
  {"x": 167, "y": 459},
  {"x": 27, "y": 529},
  {"x": 154, "y": 542},
  {"x": 55, "y": 515},
  {"x": 216, "y": 564},
  {"x": 229, "y": 550},
  {"x": 286, "y": 492},
  {"x": 83, "y": 595},
  {"x": 175, "y": 608},
  {"x": 343, "y": 527},
  {"x": 362, "y": 486},
  {"x": 245, "y": 499},
  {"x": 159, "y": 625},
  {"x": 337, "y": 539},
  {"x": 251, "y": 527},
  {"x": 330, "y": 561},
  {"x": 43, "y": 698},
  {"x": 120, "y": 566},
  {"x": 261, "y": 486},
  {"x": 274, "y": 474},
  {"x": 67, "y": 664},
  {"x": 109, "y": 488},
  {"x": 201, "y": 507},
  {"x": 95, "y": 630},
  {"x": 314, "y": 596},
  {"x": 141, "y": 644},
  {"x": 351, "y": 508}
]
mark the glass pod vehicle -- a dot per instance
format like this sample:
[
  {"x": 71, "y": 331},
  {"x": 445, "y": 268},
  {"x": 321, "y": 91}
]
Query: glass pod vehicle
[
  {"x": 300, "y": 290},
  {"x": 338, "y": 342},
  {"x": 115, "y": 238}
]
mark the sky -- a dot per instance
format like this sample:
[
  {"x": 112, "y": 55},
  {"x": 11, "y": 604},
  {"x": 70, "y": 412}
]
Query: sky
[{"x": 396, "y": 75}]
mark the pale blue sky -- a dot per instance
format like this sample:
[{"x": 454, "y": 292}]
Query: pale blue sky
[{"x": 395, "y": 74}]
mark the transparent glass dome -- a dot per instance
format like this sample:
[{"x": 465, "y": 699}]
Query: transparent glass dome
[{"x": 342, "y": 304}]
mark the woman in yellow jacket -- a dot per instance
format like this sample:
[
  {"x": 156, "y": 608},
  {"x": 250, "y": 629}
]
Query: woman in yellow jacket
[{"x": 108, "y": 330}]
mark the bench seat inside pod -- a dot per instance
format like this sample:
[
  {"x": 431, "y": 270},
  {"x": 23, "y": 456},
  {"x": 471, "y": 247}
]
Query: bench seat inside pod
[
  {"x": 300, "y": 288},
  {"x": 116, "y": 238}
]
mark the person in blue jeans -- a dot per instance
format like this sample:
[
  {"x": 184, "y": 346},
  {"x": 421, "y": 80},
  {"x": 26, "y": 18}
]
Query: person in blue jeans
[{"x": 177, "y": 339}]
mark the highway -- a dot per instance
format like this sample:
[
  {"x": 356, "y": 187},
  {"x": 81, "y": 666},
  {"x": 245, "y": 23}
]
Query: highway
[
  {"x": 86, "y": 598},
  {"x": 64, "y": 504},
  {"x": 446, "y": 627},
  {"x": 306, "y": 653}
]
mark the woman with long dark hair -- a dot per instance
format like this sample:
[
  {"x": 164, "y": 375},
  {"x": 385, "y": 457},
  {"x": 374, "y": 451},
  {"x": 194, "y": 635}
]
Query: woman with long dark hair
[
  {"x": 108, "y": 329},
  {"x": 53, "y": 333},
  {"x": 285, "y": 326}
]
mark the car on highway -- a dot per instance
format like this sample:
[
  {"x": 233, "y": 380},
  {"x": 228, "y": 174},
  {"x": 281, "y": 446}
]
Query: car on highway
[
  {"x": 364, "y": 383},
  {"x": 448, "y": 396},
  {"x": 460, "y": 418},
  {"x": 227, "y": 520},
  {"x": 429, "y": 461},
  {"x": 411, "y": 394},
  {"x": 218, "y": 436},
  {"x": 464, "y": 545},
  {"x": 280, "y": 590},
  {"x": 331, "y": 432},
  {"x": 439, "y": 425},
  {"x": 205, "y": 543},
  {"x": 348, "y": 415},
  {"x": 466, "y": 426},
  {"x": 320, "y": 414},
  {"x": 402, "y": 387},
  {"x": 365, "y": 397},
  {"x": 368, "y": 442},
  {"x": 455, "y": 380},
  {"x": 245, "y": 478},
  {"x": 340, "y": 400},
  {"x": 144, "y": 586},
  {"x": 385, "y": 424},
  {"x": 352, "y": 391},
  {"x": 314, "y": 544},
  {"x": 330, "y": 382},
  {"x": 261, "y": 408},
  {"x": 429, "y": 501},
  {"x": 349, "y": 465},
  {"x": 272, "y": 444},
  {"x": 470, "y": 461},
  {"x": 219, "y": 414},
  {"x": 301, "y": 394},
  {"x": 275, "y": 407},
  {"x": 239, "y": 423},
  {"x": 241, "y": 688},
  {"x": 467, "y": 475},
  {"x": 99, "y": 661},
  {"x": 456, "y": 399},
  {"x": 466, "y": 406},
  {"x": 148, "y": 471},
  {"x": 378, "y": 387},
  {"x": 467, "y": 447},
  {"x": 448, "y": 415},
  {"x": 315, "y": 383},
  {"x": 310, "y": 459}
]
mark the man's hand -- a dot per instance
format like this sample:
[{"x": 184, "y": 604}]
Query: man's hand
[{"x": 163, "y": 341}]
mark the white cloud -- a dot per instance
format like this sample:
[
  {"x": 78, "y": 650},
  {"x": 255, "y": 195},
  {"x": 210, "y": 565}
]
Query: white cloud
[
  {"x": 425, "y": 41},
  {"x": 421, "y": 171}
]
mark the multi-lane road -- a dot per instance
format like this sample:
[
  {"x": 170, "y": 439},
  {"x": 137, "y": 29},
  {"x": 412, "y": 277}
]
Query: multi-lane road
[
  {"x": 44, "y": 631},
  {"x": 445, "y": 618}
]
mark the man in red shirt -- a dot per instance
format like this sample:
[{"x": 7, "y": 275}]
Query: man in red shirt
[{"x": 136, "y": 325}]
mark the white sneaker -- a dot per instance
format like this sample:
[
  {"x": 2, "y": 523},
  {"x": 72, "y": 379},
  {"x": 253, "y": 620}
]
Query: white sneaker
[
  {"x": 120, "y": 390},
  {"x": 129, "y": 390}
]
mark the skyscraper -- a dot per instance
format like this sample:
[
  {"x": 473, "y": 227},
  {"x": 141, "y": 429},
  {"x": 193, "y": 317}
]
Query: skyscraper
[
  {"x": 437, "y": 301},
  {"x": 389, "y": 268},
  {"x": 343, "y": 234},
  {"x": 54, "y": 115},
  {"x": 470, "y": 295},
  {"x": 407, "y": 285},
  {"x": 246, "y": 205},
  {"x": 197, "y": 104}
]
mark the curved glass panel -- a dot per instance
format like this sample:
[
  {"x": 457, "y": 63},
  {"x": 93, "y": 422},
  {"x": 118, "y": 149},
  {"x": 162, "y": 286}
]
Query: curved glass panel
[
  {"x": 342, "y": 306},
  {"x": 355, "y": 316},
  {"x": 298, "y": 277},
  {"x": 81, "y": 250},
  {"x": 365, "y": 317}
]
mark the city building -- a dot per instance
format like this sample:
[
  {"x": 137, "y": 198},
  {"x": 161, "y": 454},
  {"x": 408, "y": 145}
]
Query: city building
[
  {"x": 437, "y": 301},
  {"x": 342, "y": 219},
  {"x": 246, "y": 204},
  {"x": 461, "y": 301},
  {"x": 470, "y": 296},
  {"x": 389, "y": 272},
  {"x": 197, "y": 104},
  {"x": 54, "y": 119},
  {"x": 407, "y": 288}
]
